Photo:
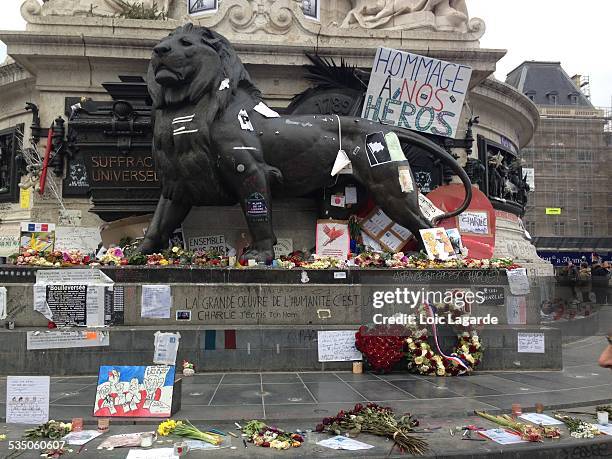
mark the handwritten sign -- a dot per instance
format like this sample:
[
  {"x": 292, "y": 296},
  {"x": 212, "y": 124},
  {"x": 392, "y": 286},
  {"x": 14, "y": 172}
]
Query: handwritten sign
[
  {"x": 473, "y": 223},
  {"x": 208, "y": 244},
  {"x": 27, "y": 399},
  {"x": 493, "y": 296},
  {"x": 166, "y": 347},
  {"x": 332, "y": 239},
  {"x": 428, "y": 209},
  {"x": 416, "y": 92},
  {"x": 532, "y": 343},
  {"x": 85, "y": 239},
  {"x": 283, "y": 247},
  {"x": 337, "y": 346},
  {"x": 9, "y": 239},
  {"x": 518, "y": 281}
]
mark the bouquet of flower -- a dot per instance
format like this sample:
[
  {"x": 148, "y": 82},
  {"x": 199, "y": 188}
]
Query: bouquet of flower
[
  {"x": 260, "y": 434},
  {"x": 377, "y": 420},
  {"x": 113, "y": 256},
  {"x": 33, "y": 257},
  {"x": 323, "y": 263},
  {"x": 382, "y": 346},
  {"x": 577, "y": 427},
  {"x": 188, "y": 368},
  {"x": 52, "y": 429},
  {"x": 74, "y": 257},
  {"x": 525, "y": 431},
  {"x": 186, "y": 429},
  {"x": 210, "y": 259},
  {"x": 370, "y": 260}
]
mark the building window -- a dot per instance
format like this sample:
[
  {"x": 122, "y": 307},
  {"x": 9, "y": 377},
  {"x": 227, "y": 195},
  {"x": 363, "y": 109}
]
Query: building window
[
  {"x": 559, "y": 228},
  {"x": 573, "y": 99},
  {"x": 585, "y": 156},
  {"x": 10, "y": 141},
  {"x": 587, "y": 200},
  {"x": 531, "y": 95},
  {"x": 553, "y": 97},
  {"x": 587, "y": 229}
]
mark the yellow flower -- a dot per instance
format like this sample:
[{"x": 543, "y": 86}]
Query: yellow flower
[
  {"x": 163, "y": 262},
  {"x": 418, "y": 360},
  {"x": 424, "y": 345},
  {"x": 412, "y": 346},
  {"x": 441, "y": 371},
  {"x": 175, "y": 249},
  {"x": 409, "y": 340},
  {"x": 469, "y": 358}
]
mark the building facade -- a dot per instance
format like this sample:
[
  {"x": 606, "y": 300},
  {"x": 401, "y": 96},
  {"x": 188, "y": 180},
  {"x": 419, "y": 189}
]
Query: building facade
[{"x": 569, "y": 213}]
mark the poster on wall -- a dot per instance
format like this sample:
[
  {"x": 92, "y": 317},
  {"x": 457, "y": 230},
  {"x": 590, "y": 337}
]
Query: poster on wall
[
  {"x": 416, "y": 92},
  {"x": 134, "y": 391},
  {"x": 37, "y": 236},
  {"x": 197, "y": 7},
  {"x": 333, "y": 239}
]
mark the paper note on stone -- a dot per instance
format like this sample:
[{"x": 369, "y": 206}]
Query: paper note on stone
[
  {"x": 63, "y": 339},
  {"x": 27, "y": 399},
  {"x": 224, "y": 84},
  {"x": 266, "y": 111},
  {"x": 337, "y": 346},
  {"x": 395, "y": 147},
  {"x": 156, "y": 301},
  {"x": 81, "y": 438},
  {"x": 540, "y": 419},
  {"x": 345, "y": 443},
  {"x": 342, "y": 160},
  {"x": 166, "y": 348},
  {"x": 533, "y": 343},
  {"x": 518, "y": 281},
  {"x": 405, "y": 179},
  {"x": 244, "y": 120}
]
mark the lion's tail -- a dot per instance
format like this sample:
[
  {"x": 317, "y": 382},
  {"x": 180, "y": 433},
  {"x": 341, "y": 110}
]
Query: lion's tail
[{"x": 412, "y": 138}]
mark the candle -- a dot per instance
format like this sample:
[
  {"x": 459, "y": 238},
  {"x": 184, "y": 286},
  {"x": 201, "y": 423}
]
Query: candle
[
  {"x": 516, "y": 409},
  {"x": 103, "y": 424},
  {"x": 602, "y": 418},
  {"x": 146, "y": 440},
  {"x": 77, "y": 424},
  {"x": 357, "y": 368},
  {"x": 539, "y": 408}
]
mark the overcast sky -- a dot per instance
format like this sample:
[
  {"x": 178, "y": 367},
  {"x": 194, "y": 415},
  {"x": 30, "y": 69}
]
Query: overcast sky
[{"x": 575, "y": 33}]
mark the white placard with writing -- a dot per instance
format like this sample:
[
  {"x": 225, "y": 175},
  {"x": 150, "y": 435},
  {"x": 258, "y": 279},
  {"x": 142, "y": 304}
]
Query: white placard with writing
[
  {"x": 156, "y": 301},
  {"x": 337, "y": 346},
  {"x": 607, "y": 429},
  {"x": 473, "y": 222},
  {"x": 80, "y": 238},
  {"x": 63, "y": 339},
  {"x": 518, "y": 281},
  {"x": 540, "y": 419},
  {"x": 166, "y": 348},
  {"x": 214, "y": 243},
  {"x": 416, "y": 92},
  {"x": 27, "y": 399},
  {"x": 428, "y": 209},
  {"x": 516, "y": 310},
  {"x": 72, "y": 276},
  {"x": 502, "y": 436},
  {"x": 9, "y": 239},
  {"x": 283, "y": 247},
  {"x": 532, "y": 343}
]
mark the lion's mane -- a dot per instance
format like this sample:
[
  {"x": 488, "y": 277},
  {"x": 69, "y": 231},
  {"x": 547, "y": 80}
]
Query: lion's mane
[{"x": 232, "y": 68}]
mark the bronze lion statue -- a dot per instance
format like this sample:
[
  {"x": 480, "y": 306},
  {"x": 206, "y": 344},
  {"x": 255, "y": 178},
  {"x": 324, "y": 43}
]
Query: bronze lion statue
[{"x": 212, "y": 147}]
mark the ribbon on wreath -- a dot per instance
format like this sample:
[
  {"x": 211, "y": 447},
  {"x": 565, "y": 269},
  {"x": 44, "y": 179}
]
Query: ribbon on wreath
[{"x": 431, "y": 310}]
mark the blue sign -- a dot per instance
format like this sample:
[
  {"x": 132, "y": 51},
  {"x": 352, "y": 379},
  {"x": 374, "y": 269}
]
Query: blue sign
[{"x": 563, "y": 258}]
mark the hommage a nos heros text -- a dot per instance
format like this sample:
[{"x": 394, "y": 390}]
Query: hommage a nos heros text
[
  {"x": 416, "y": 92},
  {"x": 123, "y": 169}
]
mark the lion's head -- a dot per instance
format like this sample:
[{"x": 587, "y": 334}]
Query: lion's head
[{"x": 191, "y": 62}]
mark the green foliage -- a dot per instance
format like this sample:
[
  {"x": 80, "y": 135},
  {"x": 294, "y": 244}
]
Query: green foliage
[{"x": 138, "y": 10}]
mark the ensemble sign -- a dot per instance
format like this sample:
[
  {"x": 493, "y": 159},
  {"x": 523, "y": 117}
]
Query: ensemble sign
[{"x": 416, "y": 92}]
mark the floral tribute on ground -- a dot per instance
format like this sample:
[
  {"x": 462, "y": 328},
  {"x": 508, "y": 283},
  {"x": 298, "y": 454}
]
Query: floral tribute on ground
[
  {"x": 377, "y": 420},
  {"x": 261, "y": 434}
]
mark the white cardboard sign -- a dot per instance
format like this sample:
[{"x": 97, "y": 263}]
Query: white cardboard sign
[
  {"x": 27, "y": 399},
  {"x": 337, "y": 346},
  {"x": 533, "y": 343}
]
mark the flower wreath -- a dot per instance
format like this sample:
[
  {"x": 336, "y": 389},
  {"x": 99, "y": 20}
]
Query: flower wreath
[{"x": 465, "y": 357}]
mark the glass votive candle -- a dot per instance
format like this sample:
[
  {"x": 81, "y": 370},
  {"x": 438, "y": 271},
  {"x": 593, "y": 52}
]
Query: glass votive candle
[
  {"x": 602, "y": 418},
  {"x": 539, "y": 408},
  {"x": 357, "y": 368},
  {"x": 77, "y": 424},
  {"x": 103, "y": 424}
]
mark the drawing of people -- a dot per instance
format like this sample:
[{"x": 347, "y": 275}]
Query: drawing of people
[
  {"x": 153, "y": 386},
  {"x": 132, "y": 397},
  {"x": 106, "y": 399}
]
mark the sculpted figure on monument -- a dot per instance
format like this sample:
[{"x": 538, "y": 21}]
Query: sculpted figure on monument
[
  {"x": 448, "y": 15},
  {"x": 90, "y": 7},
  {"x": 216, "y": 143}
]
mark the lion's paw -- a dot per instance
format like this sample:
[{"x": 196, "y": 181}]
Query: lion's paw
[{"x": 260, "y": 255}]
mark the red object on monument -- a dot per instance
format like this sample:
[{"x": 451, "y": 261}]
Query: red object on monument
[{"x": 476, "y": 224}]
